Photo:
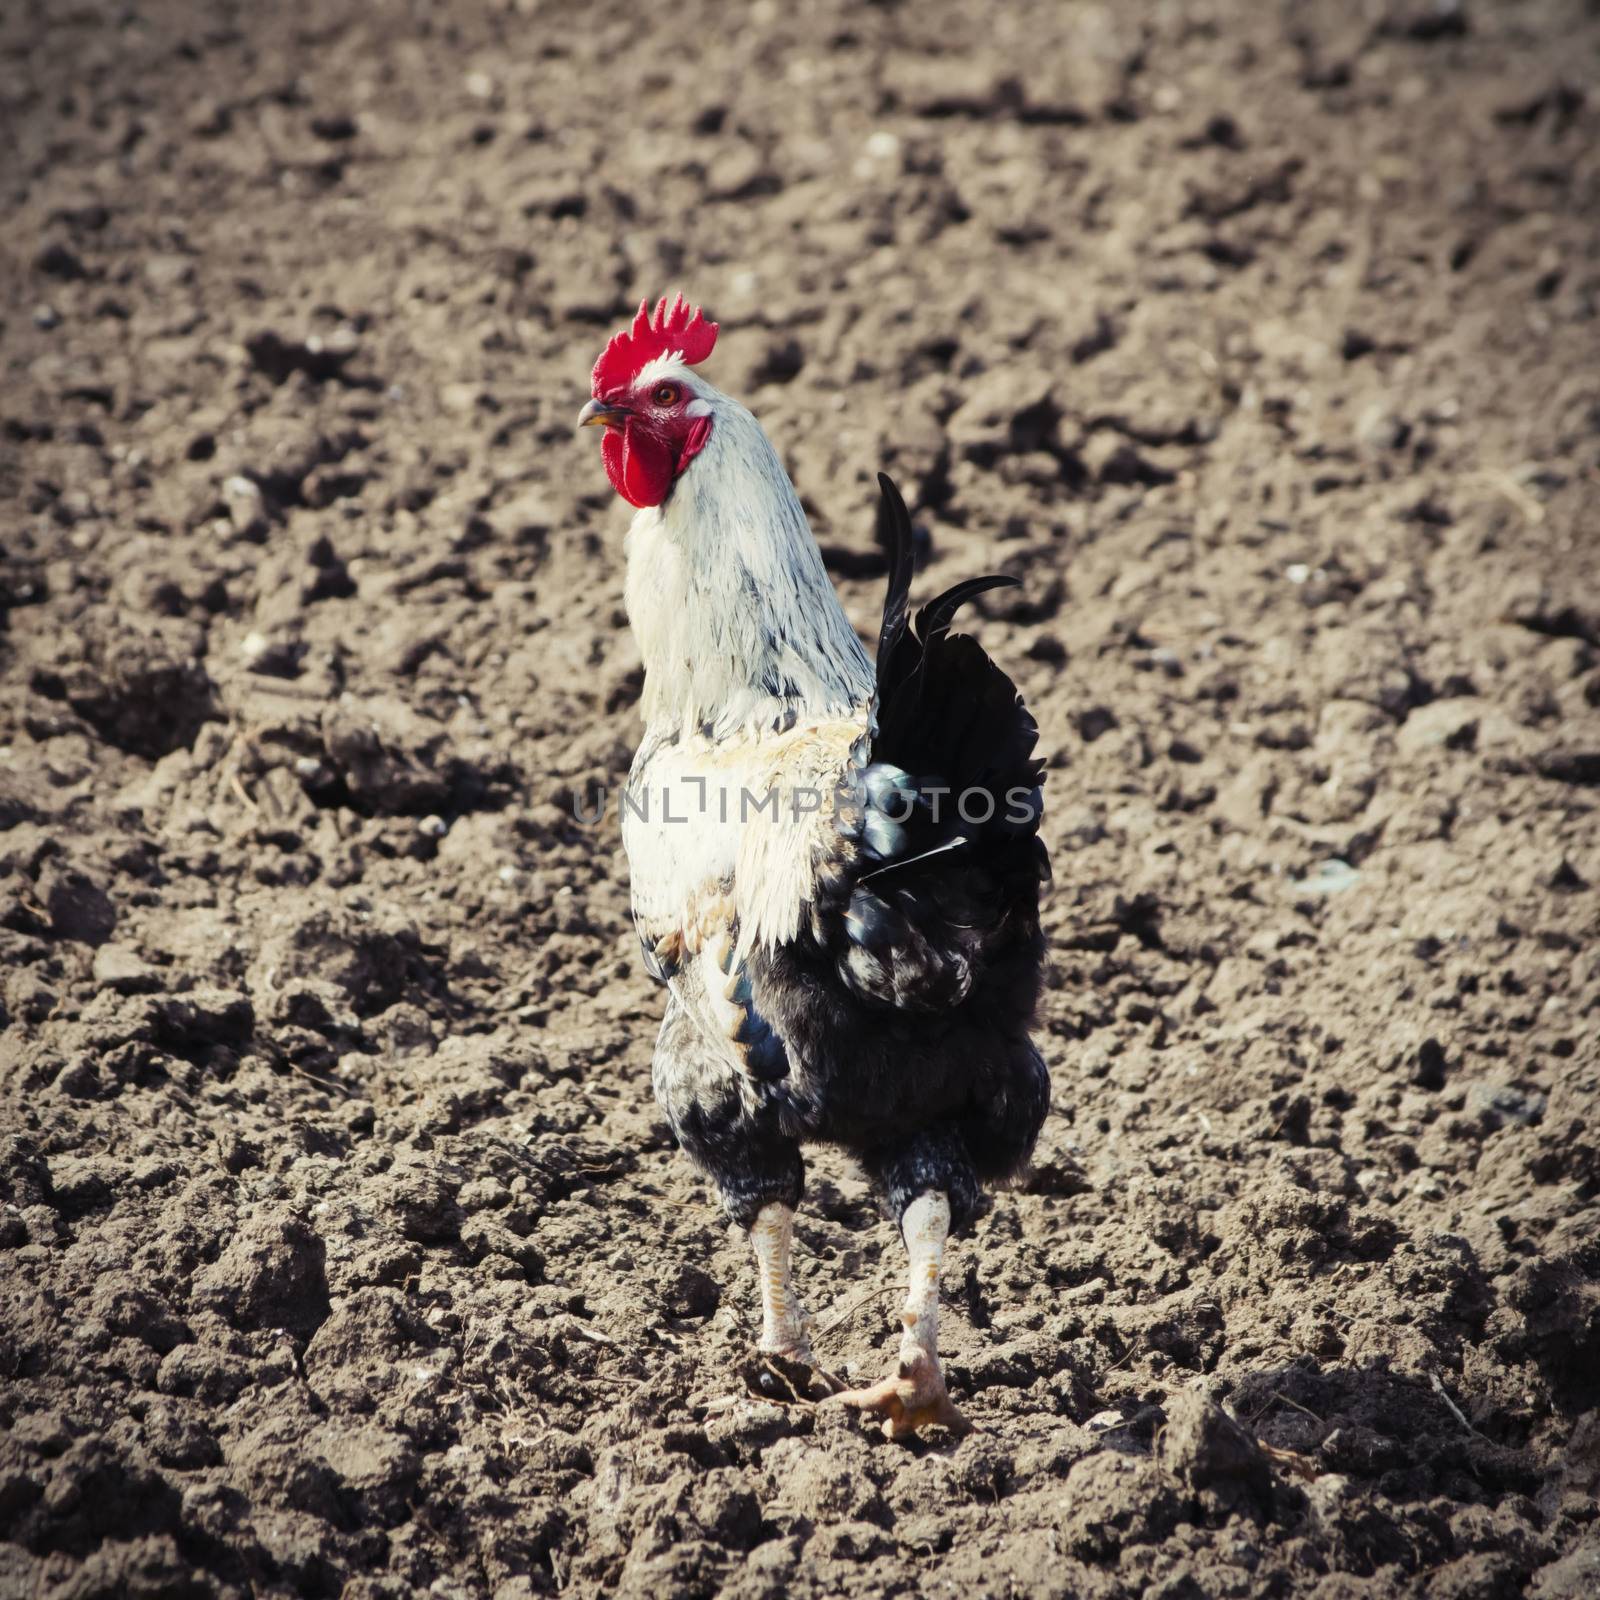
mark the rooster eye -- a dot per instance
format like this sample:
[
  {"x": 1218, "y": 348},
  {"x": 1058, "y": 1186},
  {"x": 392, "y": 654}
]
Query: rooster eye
[{"x": 666, "y": 394}]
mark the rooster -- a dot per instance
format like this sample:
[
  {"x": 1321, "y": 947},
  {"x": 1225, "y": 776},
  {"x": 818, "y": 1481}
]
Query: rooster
[{"x": 835, "y": 867}]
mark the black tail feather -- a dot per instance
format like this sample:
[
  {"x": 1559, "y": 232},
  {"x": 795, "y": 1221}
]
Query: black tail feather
[
  {"x": 945, "y": 710},
  {"x": 940, "y": 902},
  {"x": 935, "y": 617}
]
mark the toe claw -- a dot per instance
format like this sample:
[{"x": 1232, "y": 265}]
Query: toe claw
[{"x": 911, "y": 1398}]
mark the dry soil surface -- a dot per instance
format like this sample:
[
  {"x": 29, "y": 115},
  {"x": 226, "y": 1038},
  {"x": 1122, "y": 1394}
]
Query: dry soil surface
[{"x": 343, "y": 1250}]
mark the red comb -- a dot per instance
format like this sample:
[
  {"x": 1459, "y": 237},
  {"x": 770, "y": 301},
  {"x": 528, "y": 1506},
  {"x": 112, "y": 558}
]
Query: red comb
[{"x": 679, "y": 329}]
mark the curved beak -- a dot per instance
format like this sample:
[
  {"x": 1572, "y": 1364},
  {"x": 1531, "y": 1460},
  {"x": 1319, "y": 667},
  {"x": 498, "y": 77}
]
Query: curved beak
[{"x": 597, "y": 414}]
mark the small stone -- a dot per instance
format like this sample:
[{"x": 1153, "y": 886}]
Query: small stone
[
  {"x": 1378, "y": 430},
  {"x": 167, "y": 270},
  {"x": 209, "y": 119},
  {"x": 121, "y": 969},
  {"x": 247, "y": 506},
  {"x": 1449, "y": 724},
  {"x": 1331, "y": 877},
  {"x": 1496, "y": 1104},
  {"x": 738, "y": 172}
]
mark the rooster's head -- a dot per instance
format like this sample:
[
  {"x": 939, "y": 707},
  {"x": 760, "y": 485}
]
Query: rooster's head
[{"x": 656, "y": 414}]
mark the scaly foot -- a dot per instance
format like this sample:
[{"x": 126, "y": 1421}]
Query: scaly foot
[{"x": 910, "y": 1398}]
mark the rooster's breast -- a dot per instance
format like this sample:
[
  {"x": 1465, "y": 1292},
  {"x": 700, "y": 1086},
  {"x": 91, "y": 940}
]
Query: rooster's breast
[{"x": 741, "y": 822}]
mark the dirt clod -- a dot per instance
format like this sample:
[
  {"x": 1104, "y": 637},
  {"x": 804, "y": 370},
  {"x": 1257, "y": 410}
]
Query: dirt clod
[
  {"x": 342, "y": 1251},
  {"x": 270, "y": 1275}
]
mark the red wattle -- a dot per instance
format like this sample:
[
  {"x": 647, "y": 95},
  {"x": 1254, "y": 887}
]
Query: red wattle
[{"x": 638, "y": 465}]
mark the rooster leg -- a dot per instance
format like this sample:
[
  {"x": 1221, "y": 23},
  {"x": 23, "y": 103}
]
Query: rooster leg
[
  {"x": 913, "y": 1396},
  {"x": 783, "y": 1319}
]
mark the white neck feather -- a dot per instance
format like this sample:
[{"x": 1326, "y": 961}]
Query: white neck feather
[{"x": 734, "y": 614}]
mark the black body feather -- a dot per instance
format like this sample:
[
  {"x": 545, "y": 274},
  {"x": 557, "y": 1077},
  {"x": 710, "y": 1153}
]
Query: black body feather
[{"x": 904, "y": 1007}]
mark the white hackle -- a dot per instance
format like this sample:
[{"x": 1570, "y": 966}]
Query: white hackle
[{"x": 736, "y": 619}]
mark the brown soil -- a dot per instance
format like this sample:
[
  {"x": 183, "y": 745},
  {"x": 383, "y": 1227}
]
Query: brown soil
[{"x": 343, "y": 1249}]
